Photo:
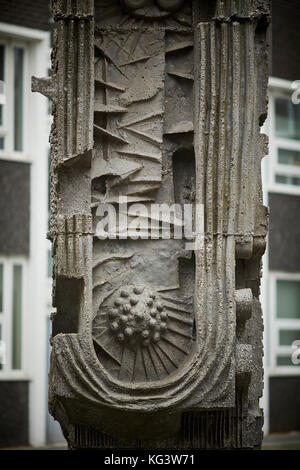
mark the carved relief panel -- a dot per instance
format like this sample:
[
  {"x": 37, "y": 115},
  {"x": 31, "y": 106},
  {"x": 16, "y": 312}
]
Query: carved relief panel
[
  {"x": 155, "y": 102},
  {"x": 143, "y": 322}
]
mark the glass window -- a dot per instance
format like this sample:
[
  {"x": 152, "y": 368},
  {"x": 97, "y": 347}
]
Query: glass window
[
  {"x": 284, "y": 361},
  {"x": 2, "y": 91},
  {"x": 289, "y": 157},
  {"x": 2, "y": 71},
  {"x": 287, "y": 337},
  {"x": 285, "y": 140},
  {"x": 11, "y": 314},
  {"x": 18, "y": 97},
  {"x": 12, "y": 95},
  {"x": 17, "y": 317},
  {"x": 1, "y": 287},
  {"x": 2, "y": 57},
  {"x": 287, "y": 119},
  {"x": 288, "y": 299},
  {"x": 283, "y": 179},
  {"x": 1, "y": 365}
]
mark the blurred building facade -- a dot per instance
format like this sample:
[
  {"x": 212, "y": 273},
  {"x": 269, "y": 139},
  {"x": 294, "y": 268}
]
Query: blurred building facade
[
  {"x": 281, "y": 183},
  {"x": 25, "y": 256}
]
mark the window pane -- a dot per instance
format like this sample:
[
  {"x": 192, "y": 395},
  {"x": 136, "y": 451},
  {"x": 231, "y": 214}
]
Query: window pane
[
  {"x": 287, "y": 119},
  {"x": 288, "y": 299},
  {"x": 17, "y": 314},
  {"x": 1, "y": 287},
  {"x": 285, "y": 361},
  {"x": 2, "y": 88},
  {"x": 283, "y": 179},
  {"x": 1, "y": 365},
  {"x": 286, "y": 337},
  {"x": 1, "y": 143},
  {"x": 289, "y": 157},
  {"x": 2, "y": 58},
  {"x": 18, "y": 97}
]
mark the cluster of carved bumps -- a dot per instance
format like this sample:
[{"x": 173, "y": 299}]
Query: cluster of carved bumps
[{"x": 137, "y": 316}]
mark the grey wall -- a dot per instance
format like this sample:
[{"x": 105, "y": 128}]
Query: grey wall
[
  {"x": 14, "y": 208},
  {"x": 286, "y": 39},
  {"x": 32, "y": 14},
  {"x": 284, "y": 404},
  {"x": 284, "y": 234},
  {"x": 14, "y": 413}
]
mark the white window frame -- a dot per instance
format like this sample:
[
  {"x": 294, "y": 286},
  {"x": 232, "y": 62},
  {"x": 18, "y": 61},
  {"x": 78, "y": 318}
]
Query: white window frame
[
  {"x": 7, "y": 372},
  {"x": 7, "y": 130},
  {"x": 279, "y": 88},
  {"x": 37, "y": 299},
  {"x": 276, "y": 324}
]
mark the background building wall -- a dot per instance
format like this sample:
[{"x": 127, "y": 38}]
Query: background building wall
[
  {"x": 24, "y": 223},
  {"x": 16, "y": 417},
  {"x": 14, "y": 207},
  {"x": 284, "y": 236},
  {"x": 28, "y": 13},
  {"x": 285, "y": 39},
  {"x": 282, "y": 260}
]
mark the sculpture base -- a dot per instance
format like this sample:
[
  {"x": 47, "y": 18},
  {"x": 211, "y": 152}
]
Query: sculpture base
[{"x": 221, "y": 429}]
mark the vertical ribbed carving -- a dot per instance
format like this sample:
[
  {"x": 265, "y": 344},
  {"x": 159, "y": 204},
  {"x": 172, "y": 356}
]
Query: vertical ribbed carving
[
  {"x": 215, "y": 280},
  {"x": 227, "y": 141},
  {"x": 71, "y": 87},
  {"x": 75, "y": 78},
  {"x": 74, "y": 8},
  {"x": 70, "y": 244}
]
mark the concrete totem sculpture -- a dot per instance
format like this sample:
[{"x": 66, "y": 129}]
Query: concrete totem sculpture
[{"x": 157, "y": 102}]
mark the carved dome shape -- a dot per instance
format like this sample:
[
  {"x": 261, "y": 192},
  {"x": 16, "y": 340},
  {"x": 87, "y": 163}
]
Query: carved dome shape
[
  {"x": 170, "y": 5},
  {"x": 144, "y": 334},
  {"x": 137, "y": 316}
]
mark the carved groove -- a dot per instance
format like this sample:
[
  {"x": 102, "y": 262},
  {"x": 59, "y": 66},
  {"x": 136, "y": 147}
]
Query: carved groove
[{"x": 75, "y": 88}]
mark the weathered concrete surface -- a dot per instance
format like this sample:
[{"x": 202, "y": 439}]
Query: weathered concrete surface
[{"x": 161, "y": 102}]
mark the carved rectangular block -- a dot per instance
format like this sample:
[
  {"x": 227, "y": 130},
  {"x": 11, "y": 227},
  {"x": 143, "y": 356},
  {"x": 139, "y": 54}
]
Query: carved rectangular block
[{"x": 69, "y": 245}]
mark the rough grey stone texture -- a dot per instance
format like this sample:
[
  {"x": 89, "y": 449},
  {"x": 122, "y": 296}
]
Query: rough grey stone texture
[{"x": 154, "y": 345}]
